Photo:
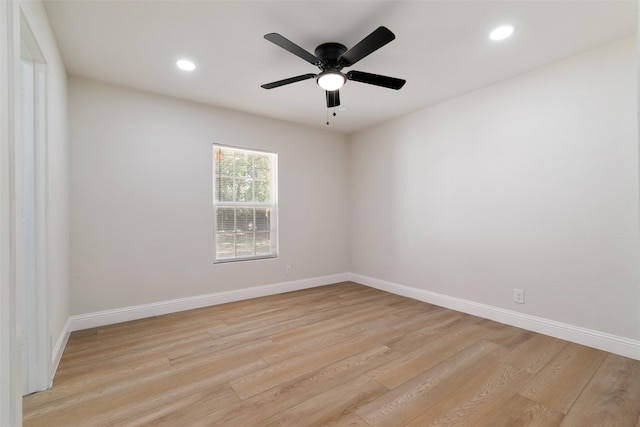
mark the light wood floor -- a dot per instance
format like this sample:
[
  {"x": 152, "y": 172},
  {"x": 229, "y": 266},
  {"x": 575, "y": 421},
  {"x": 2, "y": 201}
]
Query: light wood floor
[{"x": 343, "y": 355}]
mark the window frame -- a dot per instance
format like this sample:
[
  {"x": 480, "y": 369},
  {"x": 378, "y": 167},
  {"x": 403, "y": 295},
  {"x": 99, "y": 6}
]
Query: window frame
[{"x": 271, "y": 206}]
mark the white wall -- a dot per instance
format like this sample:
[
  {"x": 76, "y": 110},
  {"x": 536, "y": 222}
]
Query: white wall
[
  {"x": 141, "y": 198},
  {"x": 531, "y": 183}
]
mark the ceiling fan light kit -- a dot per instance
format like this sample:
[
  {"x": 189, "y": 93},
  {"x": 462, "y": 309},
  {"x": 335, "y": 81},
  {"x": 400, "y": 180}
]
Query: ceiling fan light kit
[
  {"x": 331, "y": 58},
  {"x": 331, "y": 80}
]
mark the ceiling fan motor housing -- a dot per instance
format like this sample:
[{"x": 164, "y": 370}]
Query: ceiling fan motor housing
[{"x": 329, "y": 53}]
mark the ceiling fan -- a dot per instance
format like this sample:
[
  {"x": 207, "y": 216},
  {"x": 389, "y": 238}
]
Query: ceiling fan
[{"x": 331, "y": 58}]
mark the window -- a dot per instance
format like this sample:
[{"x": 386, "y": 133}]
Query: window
[{"x": 245, "y": 204}]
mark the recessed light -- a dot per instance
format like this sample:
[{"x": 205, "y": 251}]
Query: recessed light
[
  {"x": 186, "y": 65},
  {"x": 501, "y": 33}
]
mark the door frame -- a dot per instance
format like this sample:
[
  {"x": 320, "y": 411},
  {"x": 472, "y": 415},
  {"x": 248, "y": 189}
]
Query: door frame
[
  {"x": 10, "y": 396},
  {"x": 32, "y": 289}
]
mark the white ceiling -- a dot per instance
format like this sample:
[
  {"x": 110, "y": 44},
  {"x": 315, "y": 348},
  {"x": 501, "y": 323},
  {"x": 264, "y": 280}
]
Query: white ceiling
[{"x": 441, "y": 48}]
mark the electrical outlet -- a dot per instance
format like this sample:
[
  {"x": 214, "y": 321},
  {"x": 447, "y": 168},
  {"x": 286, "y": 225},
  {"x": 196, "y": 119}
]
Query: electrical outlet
[
  {"x": 287, "y": 270},
  {"x": 518, "y": 296}
]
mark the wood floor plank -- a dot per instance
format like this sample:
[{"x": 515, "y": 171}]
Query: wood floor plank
[
  {"x": 343, "y": 354},
  {"x": 271, "y": 376},
  {"x": 522, "y": 412},
  {"x": 561, "y": 381},
  {"x": 476, "y": 401},
  {"x": 406, "y": 402},
  {"x": 305, "y": 321},
  {"x": 80, "y": 338},
  {"x": 350, "y": 420},
  {"x": 412, "y": 364},
  {"x": 111, "y": 405},
  {"x": 534, "y": 353},
  {"x": 427, "y": 330},
  {"x": 612, "y": 397},
  {"x": 150, "y": 343},
  {"x": 74, "y": 367},
  {"x": 329, "y": 407},
  {"x": 278, "y": 399},
  {"x": 421, "y": 317},
  {"x": 510, "y": 336},
  {"x": 355, "y": 314},
  {"x": 280, "y": 352},
  {"x": 213, "y": 350},
  {"x": 276, "y": 314},
  {"x": 182, "y": 411},
  {"x": 99, "y": 377}
]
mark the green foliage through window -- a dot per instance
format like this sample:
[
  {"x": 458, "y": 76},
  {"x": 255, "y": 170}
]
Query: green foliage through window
[{"x": 245, "y": 204}]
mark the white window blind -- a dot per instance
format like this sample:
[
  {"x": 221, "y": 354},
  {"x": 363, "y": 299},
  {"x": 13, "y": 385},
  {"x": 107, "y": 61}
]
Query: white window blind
[{"x": 245, "y": 204}]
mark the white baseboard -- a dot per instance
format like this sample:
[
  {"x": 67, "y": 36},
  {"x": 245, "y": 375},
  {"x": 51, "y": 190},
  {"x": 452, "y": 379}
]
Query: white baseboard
[
  {"x": 56, "y": 353},
  {"x": 600, "y": 340},
  {"x": 603, "y": 341},
  {"x": 125, "y": 314}
]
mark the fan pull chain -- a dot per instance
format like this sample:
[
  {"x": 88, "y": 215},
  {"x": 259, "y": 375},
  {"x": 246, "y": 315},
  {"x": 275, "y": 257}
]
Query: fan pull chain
[{"x": 334, "y": 114}]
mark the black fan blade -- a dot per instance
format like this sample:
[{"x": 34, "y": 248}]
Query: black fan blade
[
  {"x": 375, "y": 79},
  {"x": 290, "y": 46},
  {"x": 288, "y": 81},
  {"x": 333, "y": 98},
  {"x": 371, "y": 43}
]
